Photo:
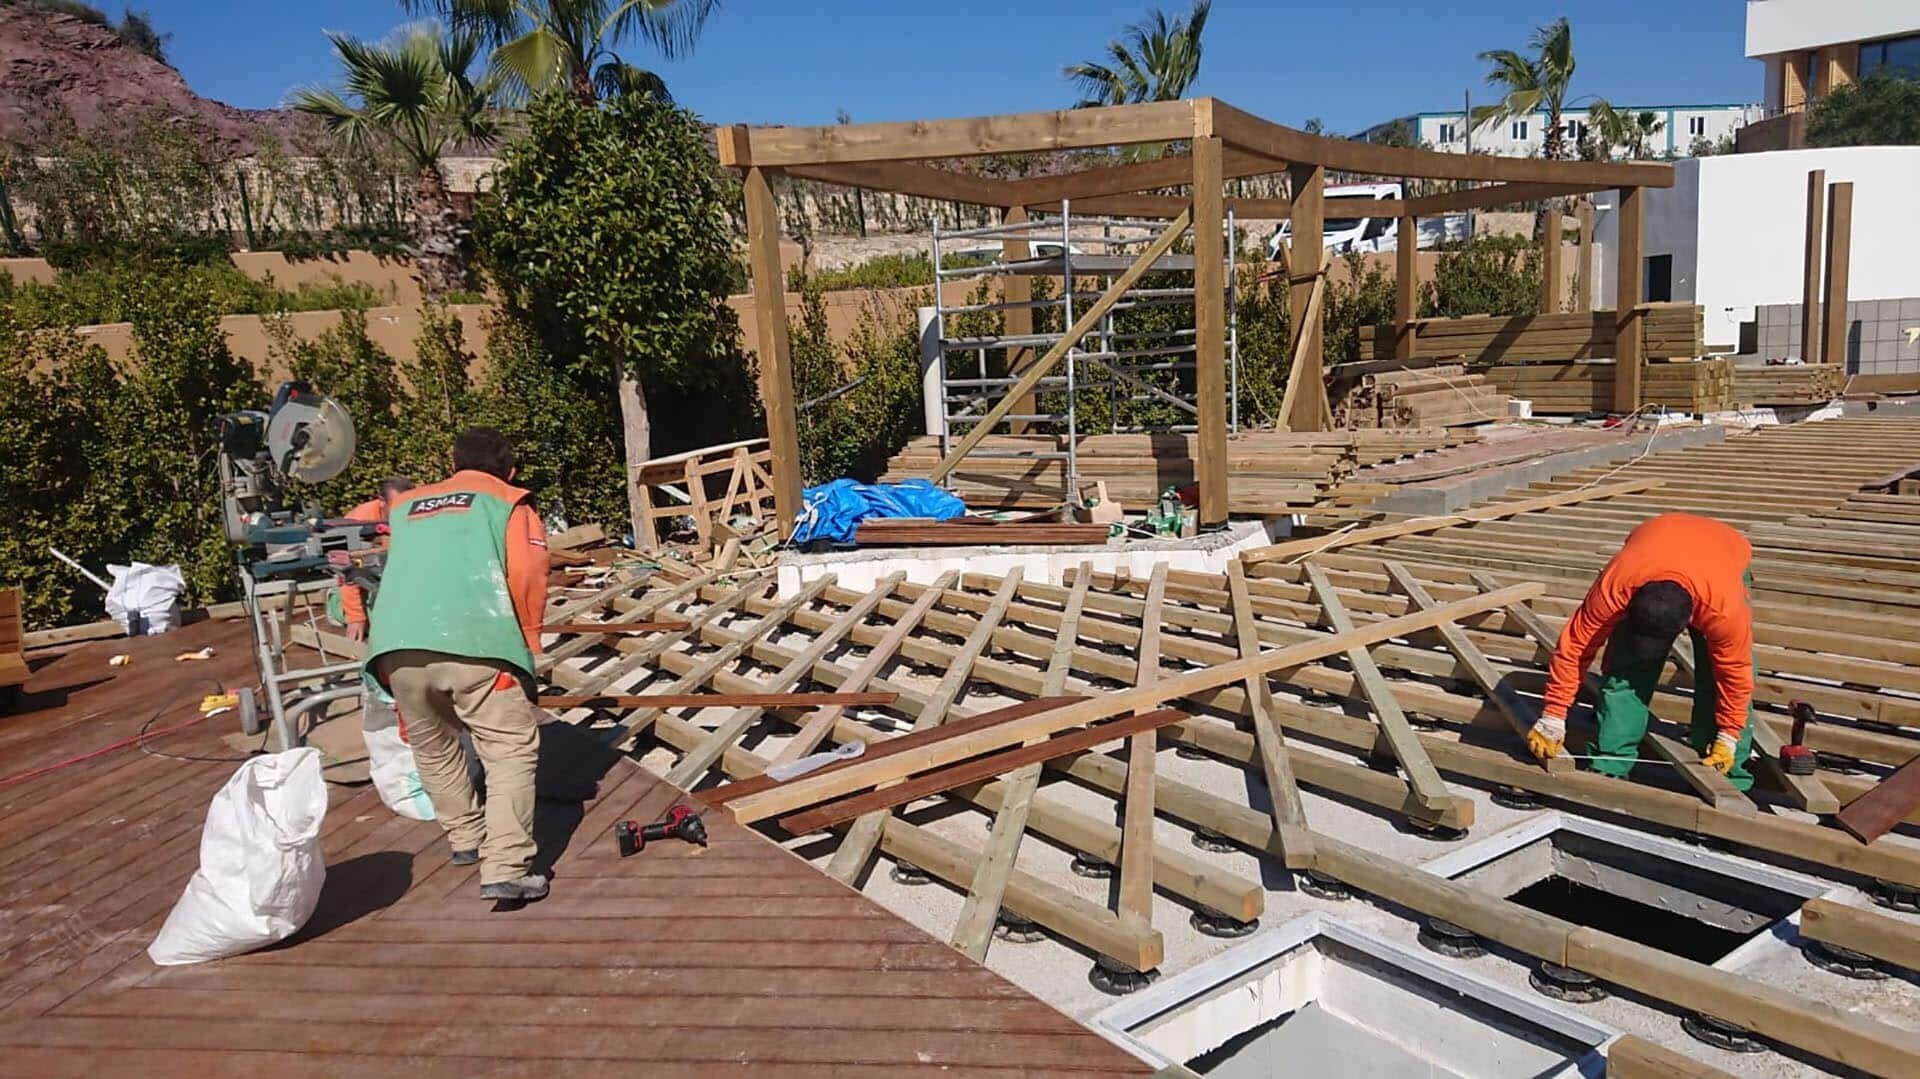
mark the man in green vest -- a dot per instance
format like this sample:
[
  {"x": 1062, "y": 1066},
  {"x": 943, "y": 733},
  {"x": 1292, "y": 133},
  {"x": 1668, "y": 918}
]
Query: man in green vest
[{"x": 456, "y": 624}]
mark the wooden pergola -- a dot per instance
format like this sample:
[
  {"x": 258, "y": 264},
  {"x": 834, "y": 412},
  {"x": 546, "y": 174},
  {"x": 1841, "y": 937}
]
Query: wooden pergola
[{"x": 1223, "y": 143}]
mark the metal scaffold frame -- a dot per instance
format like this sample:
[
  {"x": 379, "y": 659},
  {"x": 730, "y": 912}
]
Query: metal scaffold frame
[{"x": 1093, "y": 248}]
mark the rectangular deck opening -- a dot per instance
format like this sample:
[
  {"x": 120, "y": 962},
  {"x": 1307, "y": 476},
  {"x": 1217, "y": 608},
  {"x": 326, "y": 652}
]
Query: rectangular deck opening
[
  {"x": 1318, "y": 996},
  {"x": 1683, "y": 900}
]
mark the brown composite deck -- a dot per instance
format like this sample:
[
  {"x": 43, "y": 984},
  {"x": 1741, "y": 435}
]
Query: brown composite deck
[{"x": 679, "y": 962}]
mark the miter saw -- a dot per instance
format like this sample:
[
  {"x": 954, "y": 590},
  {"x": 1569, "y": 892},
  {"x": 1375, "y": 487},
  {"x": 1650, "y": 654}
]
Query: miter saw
[
  {"x": 292, "y": 556},
  {"x": 305, "y": 438}
]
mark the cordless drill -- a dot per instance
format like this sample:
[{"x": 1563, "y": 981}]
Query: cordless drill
[
  {"x": 1795, "y": 758},
  {"x": 681, "y": 822}
]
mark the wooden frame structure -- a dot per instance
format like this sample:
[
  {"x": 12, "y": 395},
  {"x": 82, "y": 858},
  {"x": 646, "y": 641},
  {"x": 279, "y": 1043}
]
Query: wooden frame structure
[
  {"x": 1224, "y": 144},
  {"x": 1448, "y": 645}
]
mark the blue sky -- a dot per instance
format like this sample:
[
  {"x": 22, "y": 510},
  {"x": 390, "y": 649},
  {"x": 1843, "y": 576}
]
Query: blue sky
[{"x": 779, "y": 61}]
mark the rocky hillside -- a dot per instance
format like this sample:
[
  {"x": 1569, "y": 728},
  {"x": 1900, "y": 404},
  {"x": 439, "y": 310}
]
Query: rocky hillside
[{"x": 52, "y": 62}]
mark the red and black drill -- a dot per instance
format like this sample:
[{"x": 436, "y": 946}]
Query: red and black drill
[
  {"x": 681, "y": 822},
  {"x": 1795, "y": 758}
]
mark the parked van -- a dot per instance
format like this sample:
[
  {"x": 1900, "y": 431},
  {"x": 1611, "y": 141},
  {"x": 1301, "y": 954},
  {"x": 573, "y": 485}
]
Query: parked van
[{"x": 1346, "y": 226}]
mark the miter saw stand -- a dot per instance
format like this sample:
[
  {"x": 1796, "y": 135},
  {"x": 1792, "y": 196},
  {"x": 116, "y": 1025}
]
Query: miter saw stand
[{"x": 290, "y": 558}]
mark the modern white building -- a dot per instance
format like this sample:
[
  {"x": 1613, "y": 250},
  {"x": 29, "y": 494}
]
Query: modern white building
[
  {"x": 1811, "y": 47},
  {"x": 1730, "y": 235},
  {"x": 1524, "y": 136}
]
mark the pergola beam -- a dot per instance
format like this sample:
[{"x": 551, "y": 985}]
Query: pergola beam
[
  {"x": 976, "y": 136},
  {"x": 1477, "y": 198},
  {"x": 1133, "y": 178},
  {"x": 1249, "y": 132},
  {"x": 905, "y": 178}
]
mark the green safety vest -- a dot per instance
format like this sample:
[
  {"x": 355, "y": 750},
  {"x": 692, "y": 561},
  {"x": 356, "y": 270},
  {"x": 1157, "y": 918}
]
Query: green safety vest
[{"x": 444, "y": 587}]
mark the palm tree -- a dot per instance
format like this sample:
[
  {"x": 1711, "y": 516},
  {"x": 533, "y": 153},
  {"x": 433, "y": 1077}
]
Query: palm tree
[
  {"x": 1532, "y": 83},
  {"x": 1156, "y": 59},
  {"x": 1633, "y": 131},
  {"x": 415, "y": 91},
  {"x": 540, "y": 44}
]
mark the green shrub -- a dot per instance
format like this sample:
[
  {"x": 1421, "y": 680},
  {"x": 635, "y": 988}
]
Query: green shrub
[
  {"x": 1492, "y": 275},
  {"x": 566, "y": 437},
  {"x": 606, "y": 233},
  {"x": 92, "y": 294},
  {"x": 853, "y": 434},
  {"x": 1880, "y": 110}
]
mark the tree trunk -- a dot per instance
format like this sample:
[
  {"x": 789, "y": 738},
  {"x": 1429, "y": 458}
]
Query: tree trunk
[
  {"x": 637, "y": 432},
  {"x": 436, "y": 236}
]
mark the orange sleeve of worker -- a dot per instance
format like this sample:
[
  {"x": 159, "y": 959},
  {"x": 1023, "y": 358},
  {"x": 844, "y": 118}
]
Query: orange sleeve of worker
[
  {"x": 527, "y": 570},
  {"x": 353, "y": 603},
  {"x": 1583, "y": 636}
]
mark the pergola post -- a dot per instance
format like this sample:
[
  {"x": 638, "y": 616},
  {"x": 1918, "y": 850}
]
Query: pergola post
[
  {"x": 1626, "y": 304},
  {"x": 1583, "y": 271},
  {"x": 1210, "y": 328},
  {"x": 1310, "y": 406},
  {"x": 1406, "y": 261},
  {"x": 1810, "y": 268},
  {"x": 1839, "y": 244},
  {"x": 1550, "y": 262},
  {"x": 770, "y": 336},
  {"x": 1016, "y": 289}
]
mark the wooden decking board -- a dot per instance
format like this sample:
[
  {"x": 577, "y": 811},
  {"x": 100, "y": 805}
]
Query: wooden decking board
[
  {"x": 81, "y": 1063},
  {"x": 689, "y": 961},
  {"x": 679, "y": 983}
]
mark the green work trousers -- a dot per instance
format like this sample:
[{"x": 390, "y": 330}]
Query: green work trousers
[{"x": 1626, "y": 693}]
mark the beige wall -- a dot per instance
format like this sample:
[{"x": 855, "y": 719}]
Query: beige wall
[
  {"x": 392, "y": 328},
  {"x": 39, "y": 271},
  {"x": 390, "y": 277}
]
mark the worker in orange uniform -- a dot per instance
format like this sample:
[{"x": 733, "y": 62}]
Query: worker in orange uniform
[
  {"x": 1674, "y": 572},
  {"x": 455, "y": 629},
  {"x": 353, "y": 605}
]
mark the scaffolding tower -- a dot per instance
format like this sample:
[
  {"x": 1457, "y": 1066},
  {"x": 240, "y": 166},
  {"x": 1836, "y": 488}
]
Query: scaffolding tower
[{"x": 1086, "y": 254}]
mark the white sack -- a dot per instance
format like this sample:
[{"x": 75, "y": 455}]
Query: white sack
[
  {"x": 154, "y": 591},
  {"x": 260, "y": 863},
  {"x": 390, "y": 763}
]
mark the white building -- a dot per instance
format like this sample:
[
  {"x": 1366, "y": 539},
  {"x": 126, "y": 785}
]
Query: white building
[
  {"x": 1730, "y": 235},
  {"x": 1524, "y": 136},
  {"x": 1811, "y": 47}
]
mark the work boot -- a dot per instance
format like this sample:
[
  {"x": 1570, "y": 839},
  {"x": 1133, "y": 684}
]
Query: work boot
[
  {"x": 465, "y": 857},
  {"x": 531, "y": 886}
]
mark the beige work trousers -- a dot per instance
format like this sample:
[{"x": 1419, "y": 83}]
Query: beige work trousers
[{"x": 439, "y": 695}]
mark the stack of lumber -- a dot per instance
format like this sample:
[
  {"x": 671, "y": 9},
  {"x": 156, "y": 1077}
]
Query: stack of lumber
[
  {"x": 1268, "y": 472},
  {"x": 1443, "y": 395},
  {"x": 1578, "y": 388},
  {"x": 1788, "y": 384},
  {"x": 13, "y": 665},
  {"x": 973, "y": 531},
  {"x": 1667, "y": 330}
]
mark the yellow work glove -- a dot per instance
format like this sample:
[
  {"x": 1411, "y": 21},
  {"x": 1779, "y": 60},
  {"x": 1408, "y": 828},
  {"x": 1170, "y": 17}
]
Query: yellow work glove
[
  {"x": 1546, "y": 737},
  {"x": 1720, "y": 756}
]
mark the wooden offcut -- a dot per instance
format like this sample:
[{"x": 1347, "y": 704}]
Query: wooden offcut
[{"x": 1875, "y": 813}]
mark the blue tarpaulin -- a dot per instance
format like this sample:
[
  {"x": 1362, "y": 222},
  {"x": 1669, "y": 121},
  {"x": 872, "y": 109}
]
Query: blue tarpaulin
[{"x": 833, "y": 510}]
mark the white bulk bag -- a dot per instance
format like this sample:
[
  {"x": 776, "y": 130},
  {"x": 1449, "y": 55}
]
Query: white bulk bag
[
  {"x": 390, "y": 763},
  {"x": 153, "y": 591},
  {"x": 260, "y": 863}
]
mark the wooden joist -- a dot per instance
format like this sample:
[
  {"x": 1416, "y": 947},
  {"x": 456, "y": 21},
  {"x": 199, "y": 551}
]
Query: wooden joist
[
  {"x": 809, "y": 789},
  {"x": 712, "y": 700},
  {"x": 1861, "y": 930},
  {"x": 1293, "y": 549},
  {"x": 926, "y": 784}
]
